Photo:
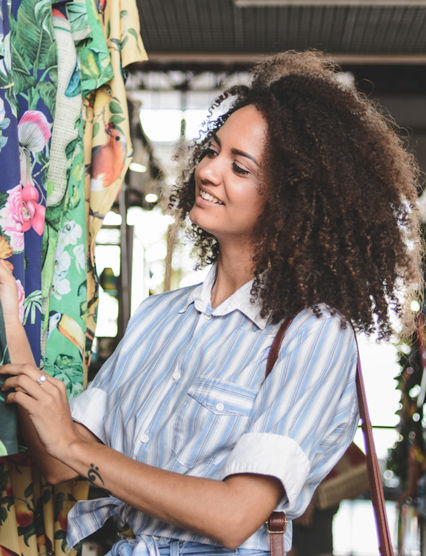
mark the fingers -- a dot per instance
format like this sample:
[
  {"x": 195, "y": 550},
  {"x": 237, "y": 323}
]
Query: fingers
[
  {"x": 27, "y": 385},
  {"x": 31, "y": 381},
  {"x": 22, "y": 399},
  {"x": 16, "y": 369}
]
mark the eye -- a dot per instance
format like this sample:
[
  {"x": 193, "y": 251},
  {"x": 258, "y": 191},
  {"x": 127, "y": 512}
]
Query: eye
[{"x": 238, "y": 170}]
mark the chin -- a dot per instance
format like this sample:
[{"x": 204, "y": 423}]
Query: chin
[
  {"x": 198, "y": 222},
  {"x": 195, "y": 217}
]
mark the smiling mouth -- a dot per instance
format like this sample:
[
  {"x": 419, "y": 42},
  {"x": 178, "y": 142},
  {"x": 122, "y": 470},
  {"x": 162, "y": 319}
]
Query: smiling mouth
[{"x": 207, "y": 197}]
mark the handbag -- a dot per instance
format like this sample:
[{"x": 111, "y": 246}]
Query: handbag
[
  {"x": 348, "y": 479},
  {"x": 276, "y": 524}
]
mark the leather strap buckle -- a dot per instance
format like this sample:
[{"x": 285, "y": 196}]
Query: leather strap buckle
[{"x": 276, "y": 524}]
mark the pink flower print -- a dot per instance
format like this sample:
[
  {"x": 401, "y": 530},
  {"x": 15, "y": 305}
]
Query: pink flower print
[
  {"x": 33, "y": 134},
  {"x": 21, "y": 298},
  {"x": 32, "y": 212},
  {"x": 33, "y": 130},
  {"x": 22, "y": 211}
]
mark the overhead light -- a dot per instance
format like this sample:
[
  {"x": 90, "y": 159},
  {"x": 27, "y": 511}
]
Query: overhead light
[
  {"x": 333, "y": 3},
  {"x": 136, "y": 167}
]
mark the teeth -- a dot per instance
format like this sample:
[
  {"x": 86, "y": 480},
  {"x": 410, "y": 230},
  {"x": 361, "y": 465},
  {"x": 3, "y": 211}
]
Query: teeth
[{"x": 208, "y": 197}]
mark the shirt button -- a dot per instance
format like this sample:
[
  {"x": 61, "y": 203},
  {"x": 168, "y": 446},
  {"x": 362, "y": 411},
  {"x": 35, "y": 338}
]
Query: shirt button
[
  {"x": 220, "y": 406},
  {"x": 176, "y": 375},
  {"x": 207, "y": 316},
  {"x": 144, "y": 438}
]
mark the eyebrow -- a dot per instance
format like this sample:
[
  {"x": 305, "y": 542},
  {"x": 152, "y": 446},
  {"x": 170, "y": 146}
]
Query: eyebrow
[{"x": 237, "y": 151}]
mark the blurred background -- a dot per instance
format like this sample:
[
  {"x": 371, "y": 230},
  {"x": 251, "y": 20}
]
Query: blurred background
[{"x": 198, "y": 47}]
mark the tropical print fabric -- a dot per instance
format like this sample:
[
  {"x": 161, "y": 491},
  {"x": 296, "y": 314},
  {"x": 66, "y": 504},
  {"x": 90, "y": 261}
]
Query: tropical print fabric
[
  {"x": 70, "y": 313},
  {"x": 33, "y": 514},
  {"x": 64, "y": 275},
  {"x": 60, "y": 104},
  {"x": 107, "y": 145},
  {"x": 28, "y": 81},
  {"x": 27, "y": 103}
]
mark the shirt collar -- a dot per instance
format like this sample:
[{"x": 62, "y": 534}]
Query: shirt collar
[{"x": 200, "y": 295}]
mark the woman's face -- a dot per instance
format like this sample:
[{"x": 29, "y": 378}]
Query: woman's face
[{"x": 228, "y": 199}]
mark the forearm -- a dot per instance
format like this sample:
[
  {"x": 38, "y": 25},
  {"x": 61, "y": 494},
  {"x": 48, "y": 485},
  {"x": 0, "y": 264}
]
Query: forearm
[
  {"x": 225, "y": 511},
  {"x": 17, "y": 342}
]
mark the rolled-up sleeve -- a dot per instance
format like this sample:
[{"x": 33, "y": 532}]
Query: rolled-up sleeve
[
  {"x": 88, "y": 409},
  {"x": 305, "y": 414}
]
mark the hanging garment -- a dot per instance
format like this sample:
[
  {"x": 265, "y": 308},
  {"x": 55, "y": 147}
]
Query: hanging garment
[
  {"x": 65, "y": 324},
  {"x": 34, "y": 69},
  {"x": 26, "y": 108},
  {"x": 34, "y": 514},
  {"x": 107, "y": 144},
  {"x": 64, "y": 138},
  {"x": 64, "y": 273}
]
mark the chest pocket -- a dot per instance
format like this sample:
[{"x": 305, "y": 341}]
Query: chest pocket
[{"x": 210, "y": 420}]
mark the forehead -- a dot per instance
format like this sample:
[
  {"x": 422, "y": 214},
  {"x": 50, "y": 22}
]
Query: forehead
[{"x": 247, "y": 128}]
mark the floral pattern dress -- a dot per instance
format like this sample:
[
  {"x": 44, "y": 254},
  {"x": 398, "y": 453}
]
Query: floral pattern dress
[{"x": 26, "y": 118}]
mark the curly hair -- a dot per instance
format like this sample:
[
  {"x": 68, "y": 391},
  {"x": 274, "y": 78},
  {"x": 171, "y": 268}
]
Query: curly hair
[{"x": 340, "y": 222}]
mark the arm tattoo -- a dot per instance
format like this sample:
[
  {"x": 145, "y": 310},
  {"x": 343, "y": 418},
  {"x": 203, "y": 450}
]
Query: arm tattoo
[{"x": 94, "y": 474}]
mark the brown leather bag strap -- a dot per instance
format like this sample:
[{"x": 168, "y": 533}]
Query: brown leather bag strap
[
  {"x": 374, "y": 475},
  {"x": 277, "y": 521},
  {"x": 276, "y": 526},
  {"x": 276, "y": 344}
]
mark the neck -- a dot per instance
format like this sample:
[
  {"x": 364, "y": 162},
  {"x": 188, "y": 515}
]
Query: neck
[{"x": 234, "y": 269}]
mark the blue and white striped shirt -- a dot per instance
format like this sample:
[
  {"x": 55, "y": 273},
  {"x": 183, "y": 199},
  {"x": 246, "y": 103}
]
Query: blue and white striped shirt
[{"x": 185, "y": 390}]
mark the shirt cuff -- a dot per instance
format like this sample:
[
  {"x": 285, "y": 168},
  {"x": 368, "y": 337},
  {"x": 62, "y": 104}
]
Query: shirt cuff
[
  {"x": 88, "y": 408},
  {"x": 270, "y": 454}
]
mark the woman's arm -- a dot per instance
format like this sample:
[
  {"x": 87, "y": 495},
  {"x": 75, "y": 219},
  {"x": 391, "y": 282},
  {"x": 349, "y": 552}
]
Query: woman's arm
[
  {"x": 20, "y": 353},
  {"x": 17, "y": 342},
  {"x": 228, "y": 511}
]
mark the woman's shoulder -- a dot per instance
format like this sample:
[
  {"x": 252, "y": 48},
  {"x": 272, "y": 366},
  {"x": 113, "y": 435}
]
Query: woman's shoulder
[{"x": 321, "y": 321}]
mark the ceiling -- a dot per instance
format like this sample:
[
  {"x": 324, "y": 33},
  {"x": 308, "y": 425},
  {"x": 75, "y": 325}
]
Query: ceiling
[
  {"x": 208, "y": 31},
  {"x": 195, "y": 45}
]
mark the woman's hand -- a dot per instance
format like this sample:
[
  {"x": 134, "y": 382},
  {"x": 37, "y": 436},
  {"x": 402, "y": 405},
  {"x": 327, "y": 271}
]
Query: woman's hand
[
  {"x": 45, "y": 401},
  {"x": 8, "y": 293}
]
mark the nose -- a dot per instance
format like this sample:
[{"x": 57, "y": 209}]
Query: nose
[{"x": 209, "y": 170}]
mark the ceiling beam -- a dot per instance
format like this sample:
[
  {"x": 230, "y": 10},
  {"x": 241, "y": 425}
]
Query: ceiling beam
[{"x": 249, "y": 58}]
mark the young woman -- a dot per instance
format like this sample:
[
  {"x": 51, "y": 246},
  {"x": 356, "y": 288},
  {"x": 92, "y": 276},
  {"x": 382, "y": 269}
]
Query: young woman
[{"x": 302, "y": 196}]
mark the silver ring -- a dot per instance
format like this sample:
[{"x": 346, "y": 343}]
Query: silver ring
[{"x": 41, "y": 379}]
